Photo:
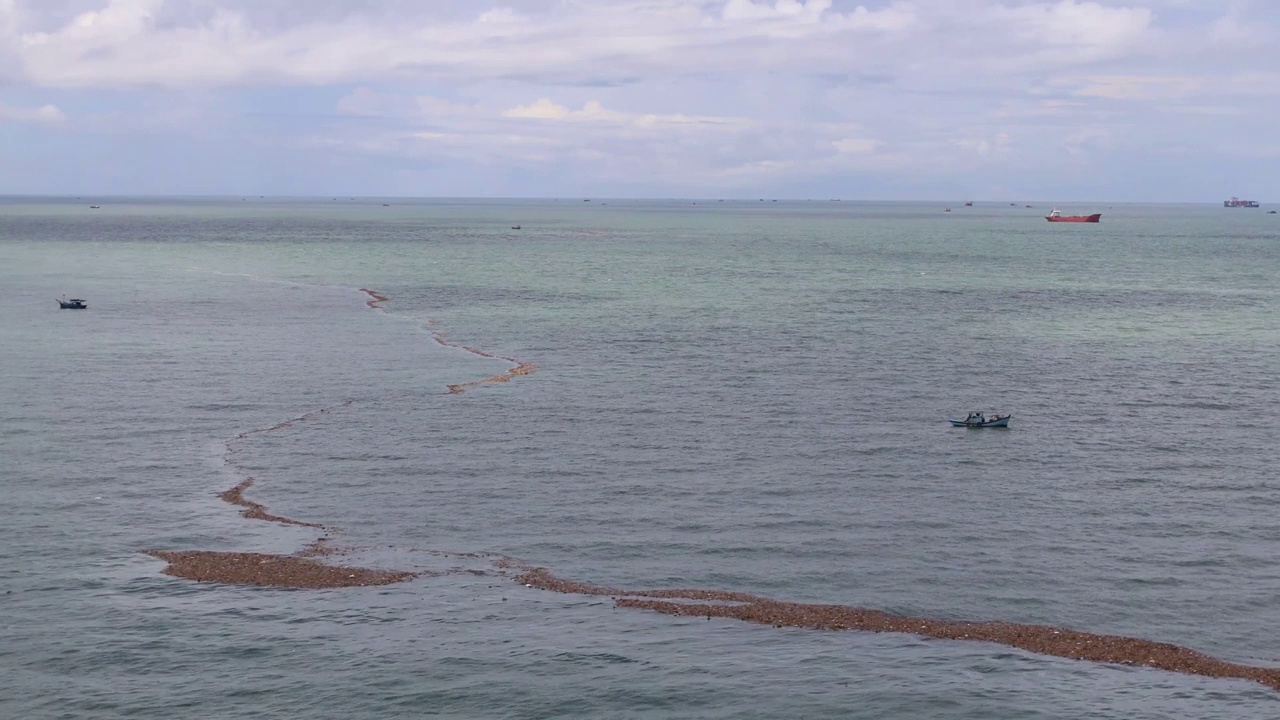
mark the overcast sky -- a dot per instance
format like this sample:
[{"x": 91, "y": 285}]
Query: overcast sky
[{"x": 1144, "y": 100}]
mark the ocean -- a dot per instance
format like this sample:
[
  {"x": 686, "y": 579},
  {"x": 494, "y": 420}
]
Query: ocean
[{"x": 637, "y": 396}]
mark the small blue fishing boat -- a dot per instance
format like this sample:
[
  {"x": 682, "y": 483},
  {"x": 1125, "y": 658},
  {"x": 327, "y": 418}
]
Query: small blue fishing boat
[{"x": 977, "y": 419}]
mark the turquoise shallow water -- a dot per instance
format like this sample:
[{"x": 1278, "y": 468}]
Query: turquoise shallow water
[{"x": 739, "y": 395}]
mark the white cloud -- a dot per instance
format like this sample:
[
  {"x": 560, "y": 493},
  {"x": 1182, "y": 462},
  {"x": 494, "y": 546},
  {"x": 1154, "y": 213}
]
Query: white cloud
[
  {"x": 855, "y": 146},
  {"x": 593, "y": 111},
  {"x": 367, "y": 102},
  {"x": 42, "y": 115},
  {"x": 1085, "y": 26},
  {"x": 746, "y": 9},
  {"x": 659, "y": 91},
  {"x": 1140, "y": 87},
  {"x": 1084, "y": 139},
  {"x": 986, "y": 146},
  {"x": 500, "y": 15},
  {"x": 180, "y": 43},
  {"x": 543, "y": 109}
]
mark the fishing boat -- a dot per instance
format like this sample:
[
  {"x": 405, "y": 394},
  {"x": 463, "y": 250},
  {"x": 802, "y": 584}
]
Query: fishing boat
[
  {"x": 73, "y": 304},
  {"x": 979, "y": 420},
  {"x": 1057, "y": 216}
]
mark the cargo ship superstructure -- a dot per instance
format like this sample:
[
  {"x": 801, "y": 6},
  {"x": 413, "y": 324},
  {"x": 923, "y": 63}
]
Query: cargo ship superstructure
[{"x": 1237, "y": 202}]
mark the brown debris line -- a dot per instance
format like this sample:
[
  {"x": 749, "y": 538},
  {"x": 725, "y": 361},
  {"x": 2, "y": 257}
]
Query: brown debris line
[
  {"x": 447, "y": 553},
  {"x": 322, "y": 548},
  {"x": 1040, "y": 639},
  {"x": 375, "y": 298},
  {"x": 521, "y": 368},
  {"x": 235, "y": 495},
  {"x": 506, "y": 562},
  {"x": 288, "y": 423},
  {"x": 293, "y": 571},
  {"x": 258, "y": 511},
  {"x": 244, "y": 568}
]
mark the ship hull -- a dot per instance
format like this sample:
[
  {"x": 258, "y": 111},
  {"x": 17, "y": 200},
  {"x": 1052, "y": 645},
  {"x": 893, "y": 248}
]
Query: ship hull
[{"x": 1096, "y": 217}]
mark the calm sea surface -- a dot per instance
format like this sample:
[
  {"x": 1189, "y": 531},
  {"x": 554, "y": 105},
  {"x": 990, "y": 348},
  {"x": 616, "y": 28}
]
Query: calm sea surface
[{"x": 740, "y": 395}]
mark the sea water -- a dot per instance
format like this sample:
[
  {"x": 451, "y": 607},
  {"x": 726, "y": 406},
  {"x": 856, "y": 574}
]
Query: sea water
[{"x": 729, "y": 395}]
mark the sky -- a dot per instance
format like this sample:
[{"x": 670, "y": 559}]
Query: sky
[{"x": 1121, "y": 100}]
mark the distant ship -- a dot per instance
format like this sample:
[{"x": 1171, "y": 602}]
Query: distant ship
[
  {"x": 1237, "y": 202},
  {"x": 1057, "y": 216}
]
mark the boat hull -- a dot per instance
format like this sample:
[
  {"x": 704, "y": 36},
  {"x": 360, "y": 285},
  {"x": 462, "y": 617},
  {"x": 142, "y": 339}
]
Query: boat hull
[
  {"x": 1096, "y": 217},
  {"x": 999, "y": 423}
]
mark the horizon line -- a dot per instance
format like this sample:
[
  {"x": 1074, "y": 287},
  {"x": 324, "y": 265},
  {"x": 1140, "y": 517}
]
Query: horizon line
[{"x": 330, "y": 197}]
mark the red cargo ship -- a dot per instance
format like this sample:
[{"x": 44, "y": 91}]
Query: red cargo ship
[{"x": 1057, "y": 216}]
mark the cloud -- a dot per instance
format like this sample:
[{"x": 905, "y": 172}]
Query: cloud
[
  {"x": 181, "y": 43},
  {"x": 543, "y": 109},
  {"x": 855, "y": 146},
  {"x": 593, "y": 111},
  {"x": 985, "y": 145},
  {"x": 656, "y": 93},
  {"x": 42, "y": 115},
  {"x": 1090, "y": 28},
  {"x": 367, "y": 102},
  {"x": 1140, "y": 87},
  {"x": 746, "y": 9}
]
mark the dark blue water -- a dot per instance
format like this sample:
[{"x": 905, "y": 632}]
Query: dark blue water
[{"x": 735, "y": 397}]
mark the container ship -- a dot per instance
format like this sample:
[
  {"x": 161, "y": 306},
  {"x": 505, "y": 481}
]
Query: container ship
[{"x": 1237, "y": 202}]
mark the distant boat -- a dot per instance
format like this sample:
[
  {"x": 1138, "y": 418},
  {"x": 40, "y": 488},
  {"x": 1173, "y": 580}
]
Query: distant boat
[
  {"x": 1271, "y": 212},
  {"x": 1057, "y": 216},
  {"x": 95, "y": 207},
  {"x": 515, "y": 227},
  {"x": 1238, "y": 203},
  {"x": 73, "y": 304},
  {"x": 946, "y": 209},
  {"x": 979, "y": 420},
  {"x": 968, "y": 204}
]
